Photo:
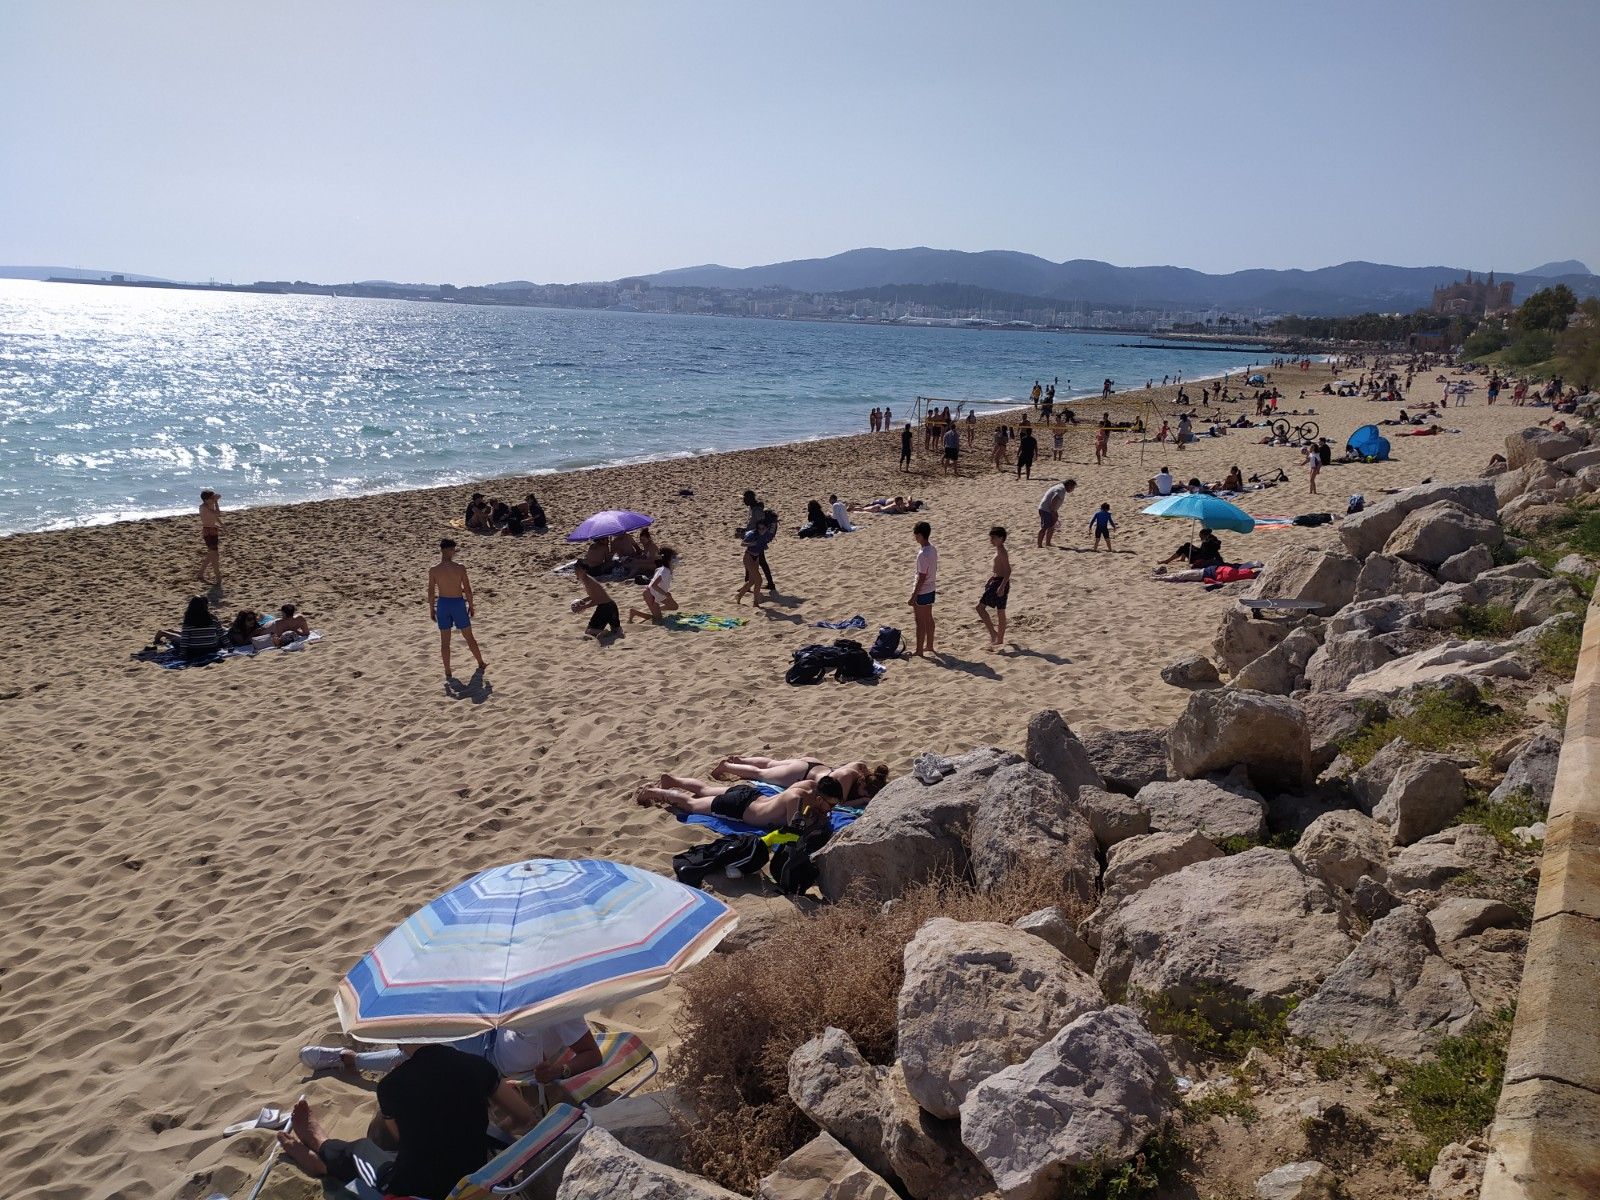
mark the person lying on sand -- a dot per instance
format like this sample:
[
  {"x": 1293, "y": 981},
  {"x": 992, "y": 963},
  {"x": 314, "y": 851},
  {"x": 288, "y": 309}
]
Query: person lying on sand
[
  {"x": 434, "y": 1106},
  {"x": 855, "y": 778},
  {"x": 900, "y": 504},
  {"x": 753, "y": 803}
]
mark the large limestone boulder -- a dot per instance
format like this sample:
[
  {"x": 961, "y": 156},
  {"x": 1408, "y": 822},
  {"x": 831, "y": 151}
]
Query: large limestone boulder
[
  {"x": 1533, "y": 445},
  {"x": 823, "y": 1169},
  {"x": 1578, "y": 460},
  {"x": 1365, "y": 532},
  {"x": 1280, "y": 670},
  {"x": 1437, "y": 532},
  {"x": 1229, "y": 728},
  {"x": 1093, "y": 1094},
  {"x": 1341, "y": 658},
  {"x": 1243, "y": 637},
  {"x": 1254, "y": 927},
  {"x": 1467, "y": 916},
  {"x": 1466, "y": 566},
  {"x": 1458, "y": 1172},
  {"x": 1412, "y": 791},
  {"x": 1023, "y": 819},
  {"x": 1333, "y": 718},
  {"x": 602, "y": 1168},
  {"x": 842, "y": 1093},
  {"x": 1395, "y": 994},
  {"x": 1533, "y": 771},
  {"x": 1427, "y": 864},
  {"x": 911, "y": 832},
  {"x": 1342, "y": 846},
  {"x": 1191, "y": 671},
  {"x": 1056, "y": 750},
  {"x": 1542, "y": 600},
  {"x": 1135, "y": 864},
  {"x": 1382, "y": 575},
  {"x": 926, "y": 1151},
  {"x": 1052, "y": 926},
  {"x": 977, "y": 997},
  {"x": 1112, "y": 817},
  {"x": 1308, "y": 573},
  {"x": 1450, "y": 659},
  {"x": 1127, "y": 759},
  {"x": 1220, "y": 812}
]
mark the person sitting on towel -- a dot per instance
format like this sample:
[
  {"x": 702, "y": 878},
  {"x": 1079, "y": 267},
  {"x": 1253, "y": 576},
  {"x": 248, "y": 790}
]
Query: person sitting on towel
[
  {"x": 546, "y": 1054},
  {"x": 289, "y": 627},
  {"x": 1206, "y": 551}
]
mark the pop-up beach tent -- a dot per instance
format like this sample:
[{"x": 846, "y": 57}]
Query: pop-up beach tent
[{"x": 1371, "y": 445}]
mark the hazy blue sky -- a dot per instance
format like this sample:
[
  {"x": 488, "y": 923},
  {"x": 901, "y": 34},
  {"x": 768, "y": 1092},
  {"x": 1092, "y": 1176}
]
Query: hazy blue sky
[{"x": 473, "y": 142}]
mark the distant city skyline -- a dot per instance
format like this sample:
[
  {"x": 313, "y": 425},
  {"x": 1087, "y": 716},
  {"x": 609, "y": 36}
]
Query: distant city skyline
[{"x": 483, "y": 142}]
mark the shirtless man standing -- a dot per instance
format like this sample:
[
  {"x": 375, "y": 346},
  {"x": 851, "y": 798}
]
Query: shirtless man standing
[
  {"x": 997, "y": 591},
  {"x": 211, "y": 535},
  {"x": 450, "y": 603}
]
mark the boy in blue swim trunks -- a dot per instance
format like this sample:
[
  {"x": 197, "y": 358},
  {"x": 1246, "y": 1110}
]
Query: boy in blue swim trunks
[{"x": 450, "y": 603}]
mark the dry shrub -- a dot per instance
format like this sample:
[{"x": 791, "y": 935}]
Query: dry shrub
[{"x": 744, "y": 1014}]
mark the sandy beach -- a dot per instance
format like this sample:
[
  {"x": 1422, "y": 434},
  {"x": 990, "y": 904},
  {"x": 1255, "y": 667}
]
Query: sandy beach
[{"x": 191, "y": 859}]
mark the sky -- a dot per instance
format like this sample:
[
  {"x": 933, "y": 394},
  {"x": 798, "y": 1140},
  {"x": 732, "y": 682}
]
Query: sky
[{"x": 476, "y": 141}]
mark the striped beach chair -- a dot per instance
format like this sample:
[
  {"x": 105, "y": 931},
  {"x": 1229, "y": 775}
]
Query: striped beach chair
[
  {"x": 506, "y": 1174},
  {"x": 621, "y": 1055}
]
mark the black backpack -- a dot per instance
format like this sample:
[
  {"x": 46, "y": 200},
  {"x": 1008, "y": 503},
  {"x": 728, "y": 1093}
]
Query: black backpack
[
  {"x": 791, "y": 867},
  {"x": 811, "y": 663},
  {"x": 746, "y": 853},
  {"x": 887, "y": 645},
  {"x": 854, "y": 662}
]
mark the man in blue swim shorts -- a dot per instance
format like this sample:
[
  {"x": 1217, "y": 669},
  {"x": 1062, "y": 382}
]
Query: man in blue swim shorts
[
  {"x": 450, "y": 603},
  {"x": 925, "y": 589}
]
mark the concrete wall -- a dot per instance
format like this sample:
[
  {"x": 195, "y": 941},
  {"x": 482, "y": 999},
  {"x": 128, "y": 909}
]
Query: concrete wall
[{"x": 1546, "y": 1139}]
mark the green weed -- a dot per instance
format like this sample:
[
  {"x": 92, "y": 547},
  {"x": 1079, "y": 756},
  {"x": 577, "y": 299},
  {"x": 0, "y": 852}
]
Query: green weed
[
  {"x": 1558, "y": 648},
  {"x": 1451, "y": 1097},
  {"x": 1237, "y": 1102},
  {"x": 1488, "y": 621},
  {"x": 1153, "y": 1169},
  {"x": 1217, "y": 1025},
  {"x": 1500, "y": 817},
  {"x": 1439, "y": 721}
]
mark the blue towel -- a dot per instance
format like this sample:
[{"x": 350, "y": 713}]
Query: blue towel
[
  {"x": 838, "y": 818},
  {"x": 855, "y": 622}
]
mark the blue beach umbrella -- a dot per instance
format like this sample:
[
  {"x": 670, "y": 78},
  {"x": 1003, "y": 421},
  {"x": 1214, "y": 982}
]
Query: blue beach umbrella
[
  {"x": 522, "y": 945},
  {"x": 1210, "y": 511},
  {"x": 608, "y": 524}
]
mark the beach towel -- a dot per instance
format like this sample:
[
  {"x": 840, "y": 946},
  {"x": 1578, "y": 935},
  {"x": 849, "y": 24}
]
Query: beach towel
[
  {"x": 252, "y": 651},
  {"x": 838, "y": 818},
  {"x": 855, "y": 622},
  {"x": 703, "y": 622}
]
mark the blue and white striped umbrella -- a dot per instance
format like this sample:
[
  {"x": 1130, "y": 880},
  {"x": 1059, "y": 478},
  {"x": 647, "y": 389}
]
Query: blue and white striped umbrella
[{"x": 522, "y": 945}]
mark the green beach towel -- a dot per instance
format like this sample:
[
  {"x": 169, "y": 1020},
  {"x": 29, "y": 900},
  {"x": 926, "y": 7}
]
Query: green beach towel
[{"x": 703, "y": 622}]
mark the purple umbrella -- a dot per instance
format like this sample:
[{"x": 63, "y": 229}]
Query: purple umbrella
[{"x": 608, "y": 524}]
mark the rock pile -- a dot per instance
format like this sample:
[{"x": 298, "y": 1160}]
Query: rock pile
[{"x": 1024, "y": 1051}]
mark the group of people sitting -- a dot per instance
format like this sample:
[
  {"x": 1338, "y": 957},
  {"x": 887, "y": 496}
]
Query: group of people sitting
[
  {"x": 822, "y": 522},
  {"x": 1163, "y": 484},
  {"x": 768, "y": 792},
  {"x": 435, "y": 1101},
  {"x": 201, "y": 634},
  {"x": 510, "y": 520}
]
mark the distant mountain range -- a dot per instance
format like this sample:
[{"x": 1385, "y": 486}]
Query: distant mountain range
[
  {"x": 1350, "y": 287},
  {"x": 71, "y": 273}
]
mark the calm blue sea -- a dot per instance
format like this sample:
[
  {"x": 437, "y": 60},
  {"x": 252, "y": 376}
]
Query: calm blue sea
[{"x": 117, "y": 403}]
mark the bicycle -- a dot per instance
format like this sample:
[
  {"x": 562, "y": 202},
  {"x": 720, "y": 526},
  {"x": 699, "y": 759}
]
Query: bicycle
[{"x": 1306, "y": 431}]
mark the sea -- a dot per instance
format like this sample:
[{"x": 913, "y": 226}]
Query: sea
[{"x": 119, "y": 403}]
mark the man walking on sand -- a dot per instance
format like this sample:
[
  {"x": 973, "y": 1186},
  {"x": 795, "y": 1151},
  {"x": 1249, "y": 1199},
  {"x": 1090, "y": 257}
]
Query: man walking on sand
[
  {"x": 450, "y": 603},
  {"x": 997, "y": 591},
  {"x": 924, "y": 590},
  {"x": 1050, "y": 511},
  {"x": 211, "y": 535},
  {"x": 905, "y": 447}
]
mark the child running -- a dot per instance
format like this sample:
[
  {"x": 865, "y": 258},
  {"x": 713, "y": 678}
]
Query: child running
[
  {"x": 1102, "y": 524},
  {"x": 997, "y": 591}
]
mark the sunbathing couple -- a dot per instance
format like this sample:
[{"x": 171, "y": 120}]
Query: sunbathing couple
[
  {"x": 883, "y": 504},
  {"x": 767, "y": 791}
]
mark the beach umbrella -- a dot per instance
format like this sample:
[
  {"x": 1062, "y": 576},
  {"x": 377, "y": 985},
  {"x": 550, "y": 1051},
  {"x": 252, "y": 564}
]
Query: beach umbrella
[
  {"x": 608, "y": 524},
  {"x": 1210, "y": 511},
  {"x": 522, "y": 945}
]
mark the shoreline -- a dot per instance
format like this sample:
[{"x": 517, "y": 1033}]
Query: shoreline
[{"x": 986, "y": 409}]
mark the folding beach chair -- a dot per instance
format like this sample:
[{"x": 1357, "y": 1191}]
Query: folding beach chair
[
  {"x": 621, "y": 1055},
  {"x": 506, "y": 1174}
]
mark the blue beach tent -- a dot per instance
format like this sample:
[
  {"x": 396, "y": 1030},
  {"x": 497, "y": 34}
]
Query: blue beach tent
[{"x": 1371, "y": 445}]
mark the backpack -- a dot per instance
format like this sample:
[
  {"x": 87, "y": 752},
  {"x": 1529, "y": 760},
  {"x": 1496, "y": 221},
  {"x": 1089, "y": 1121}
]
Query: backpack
[
  {"x": 854, "y": 662},
  {"x": 887, "y": 645},
  {"x": 791, "y": 867},
  {"x": 736, "y": 854},
  {"x": 811, "y": 663}
]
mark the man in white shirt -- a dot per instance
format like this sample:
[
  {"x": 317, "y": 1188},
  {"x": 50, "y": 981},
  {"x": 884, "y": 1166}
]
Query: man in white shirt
[
  {"x": 1050, "y": 511},
  {"x": 924, "y": 589},
  {"x": 1161, "y": 485},
  {"x": 841, "y": 515}
]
